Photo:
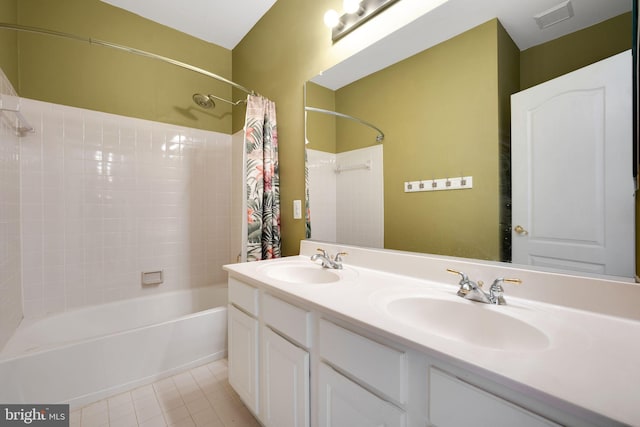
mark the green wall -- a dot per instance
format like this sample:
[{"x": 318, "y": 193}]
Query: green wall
[
  {"x": 445, "y": 112},
  {"x": 287, "y": 47},
  {"x": 508, "y": 84},
  {"x": 439, "y": 111},
  {"x": 304, "y": 49},
  {"x": 98, "y": 78},
  {"x": 321, "y": 128},
  {"x": 565, "y": 54},
  {"x": 9, "y": 41}
]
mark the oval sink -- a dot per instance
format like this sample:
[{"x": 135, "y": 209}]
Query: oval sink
[
  {"x": 298, "y": 273},
  {"x": 466, "y": 321}
]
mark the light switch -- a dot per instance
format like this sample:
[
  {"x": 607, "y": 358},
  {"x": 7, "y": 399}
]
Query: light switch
[{"x": 297, "y": 209}]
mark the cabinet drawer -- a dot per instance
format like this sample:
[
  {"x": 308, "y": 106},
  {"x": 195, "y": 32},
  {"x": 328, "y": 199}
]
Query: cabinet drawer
[
  {"x": 448, "y": 395},
  {"x": 341, "y": 402},
  {"x": 375, "y": 364},
  {"x": 243, "y": 296},
  {"x": 288, "y": 319}
]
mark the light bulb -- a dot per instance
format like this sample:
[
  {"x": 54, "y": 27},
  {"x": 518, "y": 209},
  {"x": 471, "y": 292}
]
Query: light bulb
[
  {"x": 351, "y": 6},
  {"x": 331, "y": 18}
]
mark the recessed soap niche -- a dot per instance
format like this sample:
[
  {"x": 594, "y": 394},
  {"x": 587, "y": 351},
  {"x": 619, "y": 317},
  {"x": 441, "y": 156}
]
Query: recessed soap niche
[{"x": 458, "y": 183}]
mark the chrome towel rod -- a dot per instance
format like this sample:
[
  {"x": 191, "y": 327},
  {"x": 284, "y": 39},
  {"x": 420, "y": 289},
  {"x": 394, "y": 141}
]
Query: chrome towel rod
[
  {"x": 380, "y": 136},
  {"x": 365, "y": 166},
  {"x": 7, "y": 26},
  {"x": 9, "y": 103}
]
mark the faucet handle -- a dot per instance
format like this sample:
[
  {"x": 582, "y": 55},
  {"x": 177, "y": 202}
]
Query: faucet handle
[
  {"x": 463, "y": 276},
  {"x": 496, "y": 292},
  {"x": 465, "y": 284},
  {"x": 323, "y": 252},
  {"x": 502, "y": 279},
  {"x": 339, "y": 255}
]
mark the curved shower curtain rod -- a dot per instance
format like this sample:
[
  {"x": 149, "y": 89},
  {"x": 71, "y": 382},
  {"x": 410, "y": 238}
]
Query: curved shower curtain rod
[
  {"x": 7, "y": 26},
  {"x": 380, "y": 135}
]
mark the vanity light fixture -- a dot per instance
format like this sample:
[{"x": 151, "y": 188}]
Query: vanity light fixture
[{"x": 356, "y": 13}]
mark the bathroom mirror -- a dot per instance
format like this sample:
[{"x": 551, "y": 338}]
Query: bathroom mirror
[{"x": 442, "y": 121}]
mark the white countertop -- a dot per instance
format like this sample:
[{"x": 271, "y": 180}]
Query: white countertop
[{"x": 591, "y": 360}]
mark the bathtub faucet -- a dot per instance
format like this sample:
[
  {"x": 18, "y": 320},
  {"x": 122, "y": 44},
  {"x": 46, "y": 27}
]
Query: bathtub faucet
[{"x": 327, "y": 260}]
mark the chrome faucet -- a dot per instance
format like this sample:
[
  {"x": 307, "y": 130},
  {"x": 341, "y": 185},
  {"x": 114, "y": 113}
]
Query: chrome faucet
[
  {"x": 473, "y": 291},
  {"x": 466, "y": 285},
  {"x": 327, "y": 260}
]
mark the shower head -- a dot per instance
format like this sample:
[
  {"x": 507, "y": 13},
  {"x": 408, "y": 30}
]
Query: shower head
[{"x": 203, "y": 101}]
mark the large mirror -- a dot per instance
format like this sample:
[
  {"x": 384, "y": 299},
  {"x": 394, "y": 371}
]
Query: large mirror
[{"x": 446, "y": 117}]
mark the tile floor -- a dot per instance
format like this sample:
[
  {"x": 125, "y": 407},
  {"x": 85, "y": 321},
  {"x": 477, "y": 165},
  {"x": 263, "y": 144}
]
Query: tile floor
[{"x": 200, "y": 397}]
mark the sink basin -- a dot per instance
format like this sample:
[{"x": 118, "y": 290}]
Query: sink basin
[
  {"x": 302, "y": 273},
  {"x": 466, "y": 321}
]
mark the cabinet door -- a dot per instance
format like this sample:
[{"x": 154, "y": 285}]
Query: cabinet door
[
  {"x": 243, "y": 357},
  {"x": 343, "y": 403},
  {"x": 455, "y": 403},
  {"x": 285, "y": 390}
]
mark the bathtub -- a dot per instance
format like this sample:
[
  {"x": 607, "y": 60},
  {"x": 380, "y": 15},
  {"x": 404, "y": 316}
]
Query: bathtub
[{"x": 85, "y": 355}]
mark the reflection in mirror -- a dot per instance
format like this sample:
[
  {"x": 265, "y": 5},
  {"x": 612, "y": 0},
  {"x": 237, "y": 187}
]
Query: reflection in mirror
[
  {"x": 446, "y": 114},
  {"x": 347, "y": 187}
]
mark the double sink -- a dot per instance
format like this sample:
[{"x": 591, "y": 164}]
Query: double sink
[{"x": 433, "y": 309}]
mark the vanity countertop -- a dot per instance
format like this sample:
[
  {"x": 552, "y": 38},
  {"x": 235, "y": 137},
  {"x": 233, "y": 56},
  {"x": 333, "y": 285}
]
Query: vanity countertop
[{"x": 590, "y": 359}]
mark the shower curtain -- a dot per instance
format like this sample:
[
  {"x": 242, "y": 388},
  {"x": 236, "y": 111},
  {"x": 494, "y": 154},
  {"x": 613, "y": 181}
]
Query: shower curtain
[{"x": 262, "y": 180}]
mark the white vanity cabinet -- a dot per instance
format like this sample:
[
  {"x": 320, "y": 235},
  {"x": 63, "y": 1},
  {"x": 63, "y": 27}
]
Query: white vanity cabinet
[
  {"x": 243, "y": 342},
  {"x": 285, "y": 364},
  {"x": 285, "y": 382},
  {"x": 361, "y": 382},
  {"x": 297, "y": 365},
  {"x": 456, "y": 403},
  {"x": 343, "y": 402},
  {"x": 268, "y": 355}
]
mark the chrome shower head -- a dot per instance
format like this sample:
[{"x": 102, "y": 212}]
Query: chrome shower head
[{"x": 203, "y": 101}]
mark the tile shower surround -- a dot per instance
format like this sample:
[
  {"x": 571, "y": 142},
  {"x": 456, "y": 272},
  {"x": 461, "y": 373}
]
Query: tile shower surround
[
  {"x": 10, "y": 281},
  {"x": 105, "y": 197},
  {"x": 347, "y": 206}
]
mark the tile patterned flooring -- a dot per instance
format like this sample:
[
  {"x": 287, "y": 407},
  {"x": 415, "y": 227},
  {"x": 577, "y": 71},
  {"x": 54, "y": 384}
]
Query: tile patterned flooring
[{"x": 200, "y": 397}]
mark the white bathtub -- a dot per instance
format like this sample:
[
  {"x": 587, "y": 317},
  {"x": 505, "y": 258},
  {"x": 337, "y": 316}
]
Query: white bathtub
[{"x": 84, "y": 355}]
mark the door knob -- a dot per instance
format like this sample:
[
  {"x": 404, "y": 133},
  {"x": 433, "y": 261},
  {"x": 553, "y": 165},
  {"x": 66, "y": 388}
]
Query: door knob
[{"x": 520, "y": 230}]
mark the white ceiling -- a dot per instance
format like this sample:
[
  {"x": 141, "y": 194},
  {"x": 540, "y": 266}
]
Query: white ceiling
[
  {"x": 225, "y": 23},
  {"x": 222, "y": 22},
  {"x": 454, "y": 17}
]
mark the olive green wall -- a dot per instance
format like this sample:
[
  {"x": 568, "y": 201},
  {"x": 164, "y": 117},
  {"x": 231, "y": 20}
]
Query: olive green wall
[
  {"x": 439, "y": 111},
  {"x": 508, "y": 84},
  {"x": 557, "y": 57},
  {"x": 98, "y": 78},
  {"x": 321, "y": 128},
  {"x": 9, "y": 41},
  {"x": 304, "y": 49},
  {"x": 287, "y": 47}
]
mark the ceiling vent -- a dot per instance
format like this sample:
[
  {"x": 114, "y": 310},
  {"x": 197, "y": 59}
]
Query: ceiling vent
[{"x": 556, "y": 14}]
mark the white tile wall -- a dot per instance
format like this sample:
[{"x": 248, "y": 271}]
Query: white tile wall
[
  {"x": 360, "y": 198},
  {"x": 322, "y": 194},
  {"x": 105, "y": 197},
  {"x": 347, "y": 207},
  {"x": 10, "y": 289}
]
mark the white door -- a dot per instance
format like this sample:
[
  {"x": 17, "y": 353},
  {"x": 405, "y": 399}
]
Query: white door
[
  {"x": 285, "y": 390},
  {"x": 243, "y": 357},
  {"x": 571, "y": 156},
  {"x": 343, "y": 403}
]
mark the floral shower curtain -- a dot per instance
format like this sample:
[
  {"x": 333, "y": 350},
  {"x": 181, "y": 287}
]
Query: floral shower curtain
[{"x": 263, "y": 180}]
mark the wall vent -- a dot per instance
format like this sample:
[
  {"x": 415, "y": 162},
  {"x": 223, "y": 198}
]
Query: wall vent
[{"x": 556, "y": 14}]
